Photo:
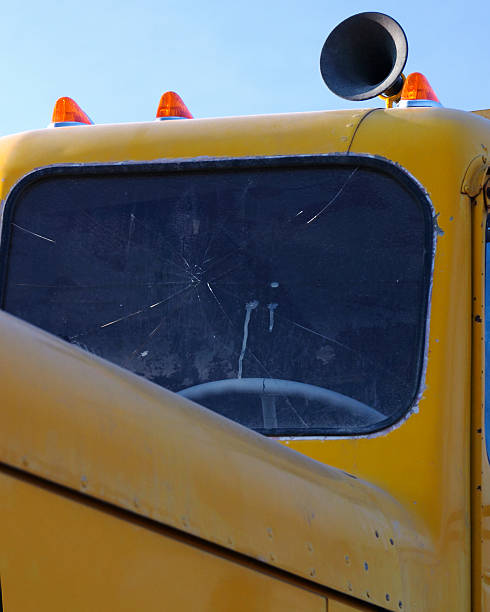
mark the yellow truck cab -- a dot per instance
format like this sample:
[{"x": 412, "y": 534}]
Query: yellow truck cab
[{"x": 242, "y": 359}]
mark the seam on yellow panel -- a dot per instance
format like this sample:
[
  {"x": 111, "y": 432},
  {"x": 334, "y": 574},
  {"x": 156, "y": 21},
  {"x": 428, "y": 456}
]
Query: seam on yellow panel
[
  {"x": 361, "y": 120},
  {"x": 185, "y": 538},
  {"x": 477, "y": 397}
]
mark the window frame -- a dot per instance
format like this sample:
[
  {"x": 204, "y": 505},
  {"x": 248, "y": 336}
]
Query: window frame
[{"x": 380, "y": 164}]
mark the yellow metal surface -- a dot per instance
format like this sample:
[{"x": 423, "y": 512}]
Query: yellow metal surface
[
  {"x": 483, "y": 113},
  {"x": 425, "y": 462},
  {"x": 479, "y": 464},
  {"x": 124, "y": 441},
  {"x": 476, "y": 174},
  {"x": 337, "y": 606},
  {"x": 293, "y": 134},
  {"x": 59, "y": 554},
  {"x": 128, "y": 442}
]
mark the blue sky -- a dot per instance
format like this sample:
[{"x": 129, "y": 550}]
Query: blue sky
[{"x": 224, "y": 58}]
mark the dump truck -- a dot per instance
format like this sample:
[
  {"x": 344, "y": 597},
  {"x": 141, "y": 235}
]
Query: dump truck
[{"x": 242, "y": 359}]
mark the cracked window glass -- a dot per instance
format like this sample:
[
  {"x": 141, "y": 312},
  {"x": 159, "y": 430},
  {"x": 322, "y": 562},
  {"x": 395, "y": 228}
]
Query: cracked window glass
[{"x": 289, "y": 298}]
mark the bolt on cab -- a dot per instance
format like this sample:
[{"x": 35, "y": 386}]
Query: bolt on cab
[{"x": 242, "y": 359}]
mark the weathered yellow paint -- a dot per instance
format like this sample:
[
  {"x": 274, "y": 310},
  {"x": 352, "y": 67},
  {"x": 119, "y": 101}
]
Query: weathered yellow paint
[
  {"x": 139, "y": 447},
  {"x": 425, "y": 463},
  {"x": 59, "y": 554},
  {"x": 483, "y": 113},
  {"x": 480, "y": 481},
  {"x": 337, "y": 606},
  {"x": 293, "y": 134},
  {"x": 124, "y": 441}
]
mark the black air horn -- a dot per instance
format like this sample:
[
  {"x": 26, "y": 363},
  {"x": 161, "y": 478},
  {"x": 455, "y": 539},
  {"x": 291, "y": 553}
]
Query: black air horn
[{"x": 364, "y": 56}]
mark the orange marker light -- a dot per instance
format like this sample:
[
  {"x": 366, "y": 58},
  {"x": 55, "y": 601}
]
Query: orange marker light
[
  {"x": 172, "y": 107},
  {"x": 418, "y": 92},
  {"x": 67, "y": 112}
]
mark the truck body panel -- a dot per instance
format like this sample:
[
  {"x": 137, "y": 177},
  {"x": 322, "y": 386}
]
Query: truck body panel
[{"x": 384, "y": 517}]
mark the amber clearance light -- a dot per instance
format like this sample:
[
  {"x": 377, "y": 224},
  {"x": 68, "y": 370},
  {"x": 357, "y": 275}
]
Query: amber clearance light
[
  {"x": 172, "y": 107},
  {"x": 418, "y": 92},
  {"x": 66, "y": 112}
]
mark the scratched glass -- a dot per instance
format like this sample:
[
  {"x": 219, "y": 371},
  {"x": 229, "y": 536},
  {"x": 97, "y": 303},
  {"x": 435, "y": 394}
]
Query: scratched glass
[{"x": 290, "y": 299}]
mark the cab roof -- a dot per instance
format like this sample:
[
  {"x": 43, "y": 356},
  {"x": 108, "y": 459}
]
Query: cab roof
[{"x": 415, "y": 138}]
